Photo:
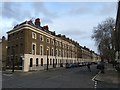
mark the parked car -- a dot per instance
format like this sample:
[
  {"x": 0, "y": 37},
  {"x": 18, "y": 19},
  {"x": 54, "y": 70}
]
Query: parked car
[
  {"x": 68, "y": 65},
  {"x": 80, "y": 64}
]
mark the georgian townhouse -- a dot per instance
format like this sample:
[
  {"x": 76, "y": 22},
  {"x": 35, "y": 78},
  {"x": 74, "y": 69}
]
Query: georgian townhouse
[{"x": 34, "y": 47}]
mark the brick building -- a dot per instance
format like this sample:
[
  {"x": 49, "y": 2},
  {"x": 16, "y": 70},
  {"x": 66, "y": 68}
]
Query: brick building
[{"x": 33, "y": 47}]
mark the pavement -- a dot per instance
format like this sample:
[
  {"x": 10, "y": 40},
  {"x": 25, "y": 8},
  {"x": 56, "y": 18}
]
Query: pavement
[{"x": 111, "y": 76}]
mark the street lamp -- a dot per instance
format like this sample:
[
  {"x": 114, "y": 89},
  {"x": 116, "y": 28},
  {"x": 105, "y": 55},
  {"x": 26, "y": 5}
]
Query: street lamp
[
  {"x": 47, "y": 58},
  {"x": 13, "y": 59}
]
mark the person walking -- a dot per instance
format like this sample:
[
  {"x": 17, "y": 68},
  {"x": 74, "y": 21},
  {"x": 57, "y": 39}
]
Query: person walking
[
  {"x": 88, "y": 66},
  {"x": 102, "y": 66}
]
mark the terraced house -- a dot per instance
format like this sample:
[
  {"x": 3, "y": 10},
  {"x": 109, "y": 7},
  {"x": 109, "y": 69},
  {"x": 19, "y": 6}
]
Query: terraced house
[{"x": 33, "y": 47}]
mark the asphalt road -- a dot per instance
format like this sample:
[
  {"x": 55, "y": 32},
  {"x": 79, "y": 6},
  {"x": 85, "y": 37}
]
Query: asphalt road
[{"x": 79, "y": 77}]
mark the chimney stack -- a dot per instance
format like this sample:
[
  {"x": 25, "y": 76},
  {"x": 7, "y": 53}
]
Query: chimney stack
[
  {"x": 46, "y": 27},
  {"x": 37, "y": 22}
]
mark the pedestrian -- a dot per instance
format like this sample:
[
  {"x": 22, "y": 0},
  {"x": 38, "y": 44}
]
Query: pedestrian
[
  {"x": 88, "y": 66},
  {"x": 102, "y": 66}
]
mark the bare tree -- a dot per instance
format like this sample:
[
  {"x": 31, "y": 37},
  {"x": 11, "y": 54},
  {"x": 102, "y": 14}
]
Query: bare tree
[{"x": 103, "y": 35}]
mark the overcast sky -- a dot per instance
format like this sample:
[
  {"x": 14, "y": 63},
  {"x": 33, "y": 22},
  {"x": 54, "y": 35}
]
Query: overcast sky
[{"x": 73, "y": 19}]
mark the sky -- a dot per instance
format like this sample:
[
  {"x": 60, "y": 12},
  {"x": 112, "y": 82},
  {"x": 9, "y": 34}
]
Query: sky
[{"x": 73, "y": 19}]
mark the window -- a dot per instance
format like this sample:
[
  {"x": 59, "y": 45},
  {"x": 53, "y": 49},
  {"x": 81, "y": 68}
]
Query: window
[
  {"x": 33, "y": 35},
  {"x": 52, "y": 42},
  {"x": 48, "y": 52},
  {"x": 8, "y": 37},
  {"x": 50, "y": 61},
  {"x": 48, "y": 40},
  {"x": 52, "y": 52},
  {"x": 60, "y": 44},
  {"x": 36, "y": 61},
  {"x": 56, "y": 61},
  {"x": 33, "y": 49},
  {"x": 63, "y": 53},
  {"x": 59, "y": 52},
  {"x": 41, "y": 61},
  {"x": 31, "y": 62},
  {"x": 41, "y": 49},
  {"x": 56, "y": 43},
  {"x": 41, "y": 38},
  {"x": 56, "y": 52}
]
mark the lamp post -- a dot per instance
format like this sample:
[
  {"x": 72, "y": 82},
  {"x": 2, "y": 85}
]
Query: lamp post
[
  {"x": 47, "y": 58},
  {"x": 13, "y": 59}
]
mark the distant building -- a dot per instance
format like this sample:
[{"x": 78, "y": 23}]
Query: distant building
[
  {"x": 3, "y": 52},
  {"x": 33, "y": 47}
]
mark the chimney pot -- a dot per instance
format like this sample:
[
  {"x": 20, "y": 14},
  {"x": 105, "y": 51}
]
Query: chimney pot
[
  {"x": 46, "y": 27},
  {"x": 37, "y": 22}
]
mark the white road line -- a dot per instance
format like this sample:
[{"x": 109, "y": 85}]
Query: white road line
[
  {"x": 93, "y": 79},
  {"x": 8, "y": 74}
]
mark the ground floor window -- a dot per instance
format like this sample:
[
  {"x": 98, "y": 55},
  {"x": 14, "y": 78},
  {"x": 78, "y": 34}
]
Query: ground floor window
[
  {"x": 50, "y": 61},
  {"x": 53, "y": 61},
  {"x": 20, "y": 62},
  {"x": 56, "y": 61},
  {"x": 31, "y": 62},
  {"x": 41, "y": 61},
  {"x": 36, "y": 61}
]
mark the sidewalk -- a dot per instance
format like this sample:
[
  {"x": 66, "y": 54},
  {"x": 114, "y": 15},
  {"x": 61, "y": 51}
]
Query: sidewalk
[
  {"x": 32, "y": 71},
  {"x": 110, "y": 75}
]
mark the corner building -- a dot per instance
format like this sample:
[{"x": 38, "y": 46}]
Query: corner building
[{"x": 33, "y": 47}]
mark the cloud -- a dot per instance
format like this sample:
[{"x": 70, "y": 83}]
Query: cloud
[
  {"x": 46, "y": 21},
  {"x": 108, "y": 8},
  {"x": 94, "y": 8},
  {"x": 39, "y": 7},
  {"x": 80, "y": 11},
  {"x": 10, "y": 10}
]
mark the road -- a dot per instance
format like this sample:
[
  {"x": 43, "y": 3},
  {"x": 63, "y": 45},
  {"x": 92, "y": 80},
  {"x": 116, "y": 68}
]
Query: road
[
  {"x": 101, "y": 84},
  {"x": 78, "y": 77}
]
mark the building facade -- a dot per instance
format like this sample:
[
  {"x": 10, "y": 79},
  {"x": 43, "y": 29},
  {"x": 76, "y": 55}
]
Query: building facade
[
  {"x": 3, "y": 53},
  {"x": 117, "y": 34},
  {"x": 33, "y": 47}
]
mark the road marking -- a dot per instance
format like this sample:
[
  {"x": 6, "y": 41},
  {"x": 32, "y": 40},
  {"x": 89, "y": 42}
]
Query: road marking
[
  {"x": 93, "y": 79},
  {"x": 95, "y": 84},
  {"x": 7, "y": 74}
]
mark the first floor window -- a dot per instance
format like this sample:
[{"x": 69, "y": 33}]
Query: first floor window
[
  {"x": 33, "y": 49},
  {"x": 41, "y": 50}
]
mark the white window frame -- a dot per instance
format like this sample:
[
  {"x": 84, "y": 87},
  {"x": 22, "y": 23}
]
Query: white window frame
[
  {"x": 52, "y": 42},
  {"x": 34, "y": 35},
  {"x": 35, "y": 48},
  {"x": 59, "y": 52},
  {"x": 48, "y": 50},
  {"x": 42, "y": 38},
  {"x": 48, "y": 40},
  {"x": 52, "y": 52},
  {"x": 41, "y": 53}
]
